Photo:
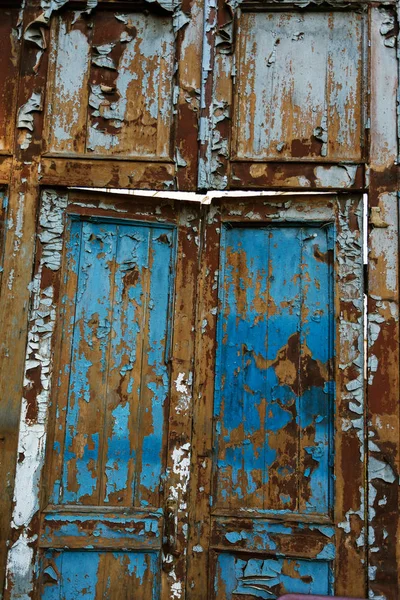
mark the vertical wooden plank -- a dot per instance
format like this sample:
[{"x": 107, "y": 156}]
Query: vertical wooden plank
[
  {"x": 189, "y": 45},
  {"x": 64, "y": 334},
  {"x": 316, "y": 385},
  {"x": 155, "y": 378},
  {"x": 204, "y": 370},
  {"x": 383, "y": 314},
  {"x": 350, "y": 409},
  {"x": 14, "y": 297},
  {"x": 87, "y": 397},
  {"x": 124, "y": 375},
  {"x": 68, "y": 84},
  {"x": 283, "y": 363},
  {"x": 179, "y": 451}
]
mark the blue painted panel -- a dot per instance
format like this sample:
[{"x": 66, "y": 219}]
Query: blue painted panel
[
  {"x": 141, "y": 531},
  {"x": 72, "y": 575},
  {"x": 88, "y": 371},
  {"x": 261, "y": 535},
  {"x": 118, "y": 376},
  {"x": 156, "y": 372},
  {"x": 132, "y": 261},
  {"x": 273, "y": 392},
  {"x": 270, "y": 578}
]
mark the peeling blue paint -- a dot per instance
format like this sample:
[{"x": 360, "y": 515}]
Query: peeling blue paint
[
  {"x": 274, "y": 368},
  {"x": 118, "y": 361},
  {"x": 270, "y": 578}
]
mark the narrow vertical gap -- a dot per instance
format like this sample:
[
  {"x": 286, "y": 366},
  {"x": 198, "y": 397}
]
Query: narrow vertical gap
[
  {"x": 330, "y": 244},
  {"x": 91, "y": 32},
  {"x": 365, "y": 276},
  {"x": 217, "y": 388}
]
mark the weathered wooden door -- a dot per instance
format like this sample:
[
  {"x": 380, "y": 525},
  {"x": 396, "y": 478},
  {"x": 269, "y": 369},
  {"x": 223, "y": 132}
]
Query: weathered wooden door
[
  {"x": 280, "y": 368},
  {"x": 111, "y": 345}
]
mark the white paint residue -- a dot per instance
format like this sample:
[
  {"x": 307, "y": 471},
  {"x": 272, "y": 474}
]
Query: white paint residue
[
  {"x": 19, "y": 566},
  {"x": 181, "y": 467},
  {"x": 32, "y": 436},
  {"x": 346, "y": 525},
  {"x": 25, "y": 116},
  {"x": 10, "y": 279},
  {"x": 31, "y": 447},
  {"x": 176, "y": 589},
  {"x": 19, "y": 223},
  {"x": 378, "y": 469},
  {"x": 183, "y": 387}
]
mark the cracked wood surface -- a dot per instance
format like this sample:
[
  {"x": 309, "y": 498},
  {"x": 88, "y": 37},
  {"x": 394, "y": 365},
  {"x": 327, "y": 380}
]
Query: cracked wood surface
[{"x": 197, "y": 95}]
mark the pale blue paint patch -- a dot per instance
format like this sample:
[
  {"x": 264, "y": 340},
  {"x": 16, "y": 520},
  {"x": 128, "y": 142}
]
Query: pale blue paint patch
[
  {"x": 125, "y": 281},
  {"x": 80, "y": 574},
  {"x": 328, "y": 553},
  {"x": 162, "y": 262},
  {"x": 270, "y": 578},
  {"x": 233, "y": 537}
]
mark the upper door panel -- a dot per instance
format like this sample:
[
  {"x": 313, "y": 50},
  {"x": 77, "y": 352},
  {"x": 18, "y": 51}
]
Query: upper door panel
[
  {"x": 298, "y": 86},
  {"x": 286, "y": 99},
  {"x": 123, "y": 85},
  {"x": 111, "y": 85}
]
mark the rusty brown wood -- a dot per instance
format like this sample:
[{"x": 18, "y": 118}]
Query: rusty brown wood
[
  {"x": 107, "y": 174},
  {"x": 253, "y": 111},
  {"x": 25, "y": 144},
  {"x": 383, "y": 315},
  {"x": 229, "y": 158}
]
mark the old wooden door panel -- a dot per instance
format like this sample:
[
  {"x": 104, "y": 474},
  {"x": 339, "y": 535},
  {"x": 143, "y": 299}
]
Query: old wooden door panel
[
  {"x": 310, "y": 64},
  {"x": 123, "y": 84},
  {"x": 111, "y": 441},
  {"x": 273, "y": 401},
  {"x": 285, "y": 404},
  {"x": 108, "y": 352},
  {"x": 108, "y": 575},
  {"x": 111, "y": 435},
  {"x": 286, "y": 98},
  {"x": 115, "y": 77}
]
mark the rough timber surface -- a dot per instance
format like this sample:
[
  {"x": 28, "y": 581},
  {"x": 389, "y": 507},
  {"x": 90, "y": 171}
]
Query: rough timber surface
[{"x": 274, "y": 492}]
